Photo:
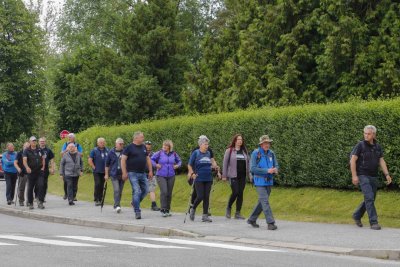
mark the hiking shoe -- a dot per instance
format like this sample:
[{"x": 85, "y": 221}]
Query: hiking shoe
[
  {"x": 164, "y": 213},
  {"x": 272, "y": 226},
  {"x": 30, "y": 206},
  {"x": 376, "y": 227},
  {"x": 71, "y": 203},
  {"x": 239, "y": 216},
  {"x": 65, "y": 197},
  {"x": 192, "y": 213},
  {"x": 138, "y": 216},
  {"x": 205, "y": 218},
  {"x": 253, "y": 223},
  {"x": 40, "y": 205},
  {"x": 97, "y": 203},
  {"x": 357, "y": 222},
  {"x": 8, "y": 202},
  {"x": 118, "y": 209},
  {"x": 155, "y": 208},
  {"x": 168, "y": 213},
  {"x": 228, "y": 213},
  {"x": 21, "y": 203}
]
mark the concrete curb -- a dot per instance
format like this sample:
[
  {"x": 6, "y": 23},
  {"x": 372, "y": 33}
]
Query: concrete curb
[
  {"x": 99, "y": 224},
  {"x": 370, "y": 253}
]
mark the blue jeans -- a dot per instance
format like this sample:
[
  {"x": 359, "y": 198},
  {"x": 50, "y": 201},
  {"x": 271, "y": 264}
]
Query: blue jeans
[
  {"x": 139, "y": 188},
  {"x": 369, "y": 186},
  {"x": 118, "y": 185},
  {"x": 263, "y": 205}
]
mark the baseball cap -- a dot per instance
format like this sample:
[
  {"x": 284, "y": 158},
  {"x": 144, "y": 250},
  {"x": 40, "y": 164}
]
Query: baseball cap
[{"x": 32, "y": 138}]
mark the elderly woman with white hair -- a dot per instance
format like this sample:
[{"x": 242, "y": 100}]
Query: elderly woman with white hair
[
  {"x": 97, "y": 160},
  {"x": 200, "y": 168}
]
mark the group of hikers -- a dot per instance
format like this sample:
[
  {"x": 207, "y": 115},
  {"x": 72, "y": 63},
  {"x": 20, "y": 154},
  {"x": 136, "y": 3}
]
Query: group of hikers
[{"x": 146, "y": 170}]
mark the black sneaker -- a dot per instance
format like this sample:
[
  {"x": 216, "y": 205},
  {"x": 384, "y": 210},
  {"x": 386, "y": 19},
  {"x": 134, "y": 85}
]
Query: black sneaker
[
  {"x": 97, "y": 203},
  {"x": 192, "y": 213},
  {"x": 376, "y": 227},
  {"x": 138, "y": 216},
  {"x": 155, "y": 208},
  {"x": 8, "y": 202},
  {"x": 357, "y": 222},
  {"x": 272, "y": 226},
  {"x": 71, "y": 203},
  {"x": 253, "y": 223},
  {"x": 40, "y": 205},
  {"x": 164, "y": 213}
]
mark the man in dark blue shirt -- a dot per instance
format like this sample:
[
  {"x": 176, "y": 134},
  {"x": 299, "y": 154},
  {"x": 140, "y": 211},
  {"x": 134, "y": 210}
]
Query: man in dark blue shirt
[
  {"x": 365, "y": 160},
  {"x": 133, "y": 164},
  {"x": 97, "y": 160}
]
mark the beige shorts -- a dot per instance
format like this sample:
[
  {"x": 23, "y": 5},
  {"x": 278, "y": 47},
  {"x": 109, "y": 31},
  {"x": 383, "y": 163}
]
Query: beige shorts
[{"x": 152, "y": 184}]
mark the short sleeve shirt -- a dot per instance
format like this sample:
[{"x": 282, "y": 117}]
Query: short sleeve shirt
[
  {"x": 201, "y": 164},
  {"x": 136, "y": 158}
]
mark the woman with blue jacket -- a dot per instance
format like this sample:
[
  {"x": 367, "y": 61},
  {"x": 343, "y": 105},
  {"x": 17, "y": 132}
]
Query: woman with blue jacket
[
  {"x": 10, "y": 172},
  {"x": 263, "y": 166},
  {"x": 166, "y": 161}
]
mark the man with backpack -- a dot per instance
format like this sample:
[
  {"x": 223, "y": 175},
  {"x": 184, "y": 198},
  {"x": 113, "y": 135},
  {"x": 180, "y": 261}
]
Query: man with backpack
[
  {"x": 49, "y": 164},
  {"x": 365, "y": 160},
  {"x": 34, "y": 164},
  {"x": 263, "y": 166}
]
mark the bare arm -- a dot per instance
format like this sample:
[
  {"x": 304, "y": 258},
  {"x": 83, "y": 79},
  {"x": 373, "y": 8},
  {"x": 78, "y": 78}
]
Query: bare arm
[
  {"x": 123, "y": 167},
  {"x": 150, "y": 166},
  {"x": 91, "y": 164},
  {"x": 353, "y": 169},
  {"x": 385, "y": 170},
  {"x": 17, "y": 166},
  {"x": 25, "y": 161}
]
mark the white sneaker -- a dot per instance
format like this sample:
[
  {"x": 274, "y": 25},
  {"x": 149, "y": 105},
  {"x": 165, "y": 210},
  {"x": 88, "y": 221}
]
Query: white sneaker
[{"x": 118, "y": 209}]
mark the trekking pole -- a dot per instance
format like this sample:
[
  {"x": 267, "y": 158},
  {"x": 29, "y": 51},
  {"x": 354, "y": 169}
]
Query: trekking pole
[
  {"x": 16, "y": 194},
  {"x": 218, "y": 175},
  {"x": 190, "y": 197},
  {"x": 104, "y": 196}
]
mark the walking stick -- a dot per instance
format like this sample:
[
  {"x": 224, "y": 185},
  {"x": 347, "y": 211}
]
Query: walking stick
[
  {"x": 16, "y": 194},
  {"x": 190, "y": 198},
  {"x": 104, "y": 196}
]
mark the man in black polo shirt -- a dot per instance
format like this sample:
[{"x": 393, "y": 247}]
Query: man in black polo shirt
[
  {"x": 34, "y": 164},
  {"x": 365, "y": 160}
]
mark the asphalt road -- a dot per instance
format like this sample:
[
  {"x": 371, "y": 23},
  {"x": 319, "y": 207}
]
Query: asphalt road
[{"x": 25, "y": 242}]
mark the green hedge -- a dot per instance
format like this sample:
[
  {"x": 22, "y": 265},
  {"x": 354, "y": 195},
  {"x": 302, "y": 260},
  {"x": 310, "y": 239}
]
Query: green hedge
[{"x": 312, "y": 142}]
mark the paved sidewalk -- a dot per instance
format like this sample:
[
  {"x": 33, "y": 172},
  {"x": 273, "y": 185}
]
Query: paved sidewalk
[{"x": 335, "y": 238}]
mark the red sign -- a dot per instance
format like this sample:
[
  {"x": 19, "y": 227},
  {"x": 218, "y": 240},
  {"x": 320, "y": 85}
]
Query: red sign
[{"x": 64, "y": 134}]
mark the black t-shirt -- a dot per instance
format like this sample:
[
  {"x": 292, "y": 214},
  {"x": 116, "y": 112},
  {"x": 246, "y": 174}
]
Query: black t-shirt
[
  {"x": 137, "y": 158},
  {"x": 48, "y": 155},
  {"x": 34, "y": 158},
  {"x": 368, "y": 158},
  {"x": 240, "y": 164}
]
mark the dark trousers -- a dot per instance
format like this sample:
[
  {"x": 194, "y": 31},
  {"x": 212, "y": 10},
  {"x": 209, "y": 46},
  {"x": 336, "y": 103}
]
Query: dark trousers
[
  {"x": 35, "y": 179},
  {"x": 369, "y": 186},
  {"x": 72, "y": 187},
  {"x": 98, "y": 186},
  {"x": 237, "y": 185},
  {"x": 21, "y": 187},
  {"x": 203, "y": 190},
  {"x": 166, "y": 185},
  {"x": 45, "y": 184},
  {"x": 11, "y": 180}
]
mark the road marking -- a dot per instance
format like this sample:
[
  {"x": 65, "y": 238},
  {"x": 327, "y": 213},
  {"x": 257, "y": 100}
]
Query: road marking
[
  {"x": 208, "y": 244},
  {"x": 46, "y": 241},
  {"x": 120, "y": 242},
  {"x": 6, "y": 244}
]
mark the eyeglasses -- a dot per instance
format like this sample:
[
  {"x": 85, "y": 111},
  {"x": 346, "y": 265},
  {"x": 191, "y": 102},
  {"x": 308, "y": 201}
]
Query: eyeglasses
[{"x": 147, "y": 143}]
